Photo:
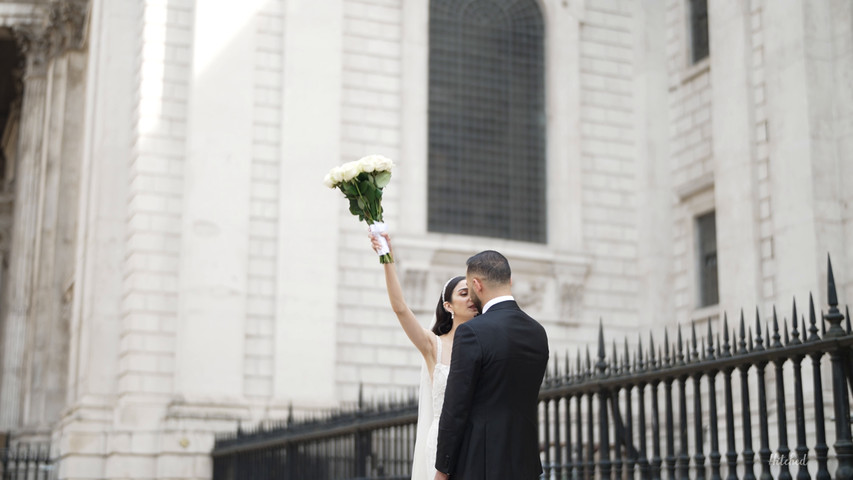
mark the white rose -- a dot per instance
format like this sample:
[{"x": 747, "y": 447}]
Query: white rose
[
  {"x": 337, "y": 175},
  {"x": 327, "y": 181},
  {"x": 367, "y": 164},
  {"x": 376, "y": 163},
  {"x": 383, "y": 164},
  {"x": 350, "y": 170}
]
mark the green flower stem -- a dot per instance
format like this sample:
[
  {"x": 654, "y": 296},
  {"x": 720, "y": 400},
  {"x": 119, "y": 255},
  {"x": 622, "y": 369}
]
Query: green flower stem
[
  {"x": 371, "y": 212},
  {"x": 366, "y": 211}
]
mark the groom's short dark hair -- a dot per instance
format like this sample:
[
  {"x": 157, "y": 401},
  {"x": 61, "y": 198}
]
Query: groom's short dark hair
[{"x": 491, "y": 266}]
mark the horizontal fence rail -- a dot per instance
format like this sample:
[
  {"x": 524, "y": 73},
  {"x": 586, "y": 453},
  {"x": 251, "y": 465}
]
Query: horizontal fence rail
[{"x": 768, "y": 399}]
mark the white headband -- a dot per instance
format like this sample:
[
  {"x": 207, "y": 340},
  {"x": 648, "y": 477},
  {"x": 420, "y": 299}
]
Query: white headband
[{"x": 445, "y": 289}]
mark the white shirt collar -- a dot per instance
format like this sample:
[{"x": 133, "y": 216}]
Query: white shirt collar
[{"x": 495, "y": 300}]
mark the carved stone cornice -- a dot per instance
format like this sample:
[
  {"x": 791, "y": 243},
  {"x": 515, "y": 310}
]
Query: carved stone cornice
[{"x": 63, "y": 28}]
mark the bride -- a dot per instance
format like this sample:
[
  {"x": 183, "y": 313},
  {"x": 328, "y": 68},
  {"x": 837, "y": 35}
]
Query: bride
[{"x": 454, "y": 308}]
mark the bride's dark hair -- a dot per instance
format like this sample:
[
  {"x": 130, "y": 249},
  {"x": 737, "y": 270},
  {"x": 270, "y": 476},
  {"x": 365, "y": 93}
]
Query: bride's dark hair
[{"x": 443, "y": 318}]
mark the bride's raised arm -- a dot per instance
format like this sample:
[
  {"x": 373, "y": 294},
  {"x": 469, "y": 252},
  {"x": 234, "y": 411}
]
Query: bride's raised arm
[{"x": 420, "y": 336}]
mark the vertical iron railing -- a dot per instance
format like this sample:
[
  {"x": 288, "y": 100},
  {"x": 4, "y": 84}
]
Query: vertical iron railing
[
  {"x": 688, "y": 409},
  {"x": 25, "y": 461},
  {"x": 367, "y": 441},
  {"x": 663, "y": 386}
]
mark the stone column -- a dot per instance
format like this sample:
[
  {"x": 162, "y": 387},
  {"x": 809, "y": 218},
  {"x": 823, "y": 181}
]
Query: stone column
[
  {"x": 61, "y": 30},
  {"x": 34, "y": 44}
]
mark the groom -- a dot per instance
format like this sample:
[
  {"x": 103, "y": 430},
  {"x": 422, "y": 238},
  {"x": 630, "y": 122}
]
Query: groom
[{"x": 489, "y": 422}]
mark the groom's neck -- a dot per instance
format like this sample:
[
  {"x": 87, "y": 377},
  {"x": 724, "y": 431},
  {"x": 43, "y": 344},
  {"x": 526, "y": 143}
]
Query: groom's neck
[{"x": 495, "y": 293}]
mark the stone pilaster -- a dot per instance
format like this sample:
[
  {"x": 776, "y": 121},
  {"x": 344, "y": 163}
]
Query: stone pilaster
[
  {"x": 61, "y": 30},
  {"x": 34, "y": 46},
  {"x": 735, "y": 185}
]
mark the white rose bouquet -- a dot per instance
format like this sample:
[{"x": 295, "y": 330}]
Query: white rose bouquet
[{"x": 362, "y": 182}]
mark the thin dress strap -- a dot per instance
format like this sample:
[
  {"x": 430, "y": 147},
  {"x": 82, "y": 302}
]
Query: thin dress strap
[{"x": 438, "y": 350}]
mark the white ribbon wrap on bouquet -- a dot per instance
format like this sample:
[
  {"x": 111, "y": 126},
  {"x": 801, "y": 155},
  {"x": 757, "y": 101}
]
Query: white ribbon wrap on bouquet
[{"x": 376, "y": 229}]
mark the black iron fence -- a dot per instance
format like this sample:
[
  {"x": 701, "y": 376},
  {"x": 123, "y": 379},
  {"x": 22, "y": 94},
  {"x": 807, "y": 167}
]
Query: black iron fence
[
  {"x": 366, "y": 440},
  {"x": 25, "y": 461},
  {"x": 685, "y": 409}
]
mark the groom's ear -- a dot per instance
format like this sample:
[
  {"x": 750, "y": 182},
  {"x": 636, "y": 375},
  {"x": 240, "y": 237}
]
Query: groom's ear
[{"x": 478, "y": 284}]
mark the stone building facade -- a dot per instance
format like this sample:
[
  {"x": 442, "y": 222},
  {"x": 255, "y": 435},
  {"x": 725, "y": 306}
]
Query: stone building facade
[{"x": 172, "y": 264}]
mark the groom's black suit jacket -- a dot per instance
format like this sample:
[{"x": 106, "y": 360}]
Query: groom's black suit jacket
[{"x": 489, "y": 421}]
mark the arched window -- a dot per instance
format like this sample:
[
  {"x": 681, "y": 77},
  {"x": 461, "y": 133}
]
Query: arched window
[{"x": 487, "y": 119}]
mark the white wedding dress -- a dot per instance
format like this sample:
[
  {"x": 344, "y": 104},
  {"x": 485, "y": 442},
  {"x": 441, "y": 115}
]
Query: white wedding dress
[{"x": 431, "y": 399}]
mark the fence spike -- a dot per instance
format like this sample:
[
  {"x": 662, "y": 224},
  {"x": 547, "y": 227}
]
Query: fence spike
[
  {"x": 626, "y": 365},
  {"x": 727, "y": 348},
  {"x": 812, "y": 321},
  {"x": 652, "y": 360},
  {"x": 767, "y": 329},
  {"x": 640, "y": 363},
  {"x": 636, "y": 363},
  {"x": 776, "y": 337},
  {"x": 785, "y": 330},
  {"x": 759, "y": 342},
  {"x": 601, "y": 364},
  {"x": 742, "y": 340},
  {"x": 694, "y": 354},
  {"x": 830, "y": 284},
  {"x": 680, "y": 347},
  {"x": 615, "y": 368},
  {"x": 834, "y": 317},
  {"x": 847, "y": 316},
  {"x": 710, "y": 340},
  {"x": 666, "y": 346},
  {"x": 795, "y": 334}
]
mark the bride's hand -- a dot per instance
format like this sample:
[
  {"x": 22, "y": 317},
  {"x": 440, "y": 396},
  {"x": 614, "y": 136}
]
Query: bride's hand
[{"x": 375, "y": 243}]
